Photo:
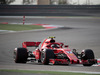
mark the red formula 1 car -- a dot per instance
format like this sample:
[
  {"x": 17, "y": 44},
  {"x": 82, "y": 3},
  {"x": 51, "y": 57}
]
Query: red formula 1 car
[{"x": 50, "y": 51}]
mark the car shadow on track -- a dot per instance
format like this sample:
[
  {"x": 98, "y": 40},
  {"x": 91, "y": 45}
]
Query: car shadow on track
[{"x": 71, "y": 65}]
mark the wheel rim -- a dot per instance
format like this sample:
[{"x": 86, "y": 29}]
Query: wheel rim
[
  {"x": 42, "y": 57},
  {"x": 15, "y": 56}
]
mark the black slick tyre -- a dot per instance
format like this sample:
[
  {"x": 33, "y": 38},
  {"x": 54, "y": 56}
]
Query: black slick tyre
[
  {"x": 46, "y": 55},
  {"x": 88, "y": 54},
  {"x": 20, "y": 55}
]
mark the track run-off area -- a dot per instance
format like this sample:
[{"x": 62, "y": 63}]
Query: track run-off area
[{"x": 77, "y": 32}]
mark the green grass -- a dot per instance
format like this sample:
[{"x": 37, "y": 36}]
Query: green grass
[
  {"x": 15, "y": 27},
  {"x": 45, "y": 72}
]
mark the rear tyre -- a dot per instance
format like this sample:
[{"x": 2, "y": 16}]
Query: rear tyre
[
  {"x": 88, "y": 54},
  {"x": 46, "y": 55},
  {"x": 20, "y": 55}
]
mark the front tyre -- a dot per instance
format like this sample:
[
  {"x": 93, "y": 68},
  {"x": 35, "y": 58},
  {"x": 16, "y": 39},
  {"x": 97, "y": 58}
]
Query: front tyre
[
  {"x": 88, "y": 54},
  {"x": 20, "y": 55},
  {"x": 46, "y": 55}
]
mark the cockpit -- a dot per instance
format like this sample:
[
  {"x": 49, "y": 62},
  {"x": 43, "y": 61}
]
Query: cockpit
[
  {"x": 55, "y": 46},
  {"x": 51, "y": 43}
]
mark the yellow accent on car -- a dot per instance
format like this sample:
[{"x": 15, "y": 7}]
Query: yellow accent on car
[{"x": 52, "y": 37}]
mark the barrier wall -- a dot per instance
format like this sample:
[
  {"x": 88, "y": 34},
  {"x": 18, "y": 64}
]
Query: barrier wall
[{"x": 49, "y": 10}]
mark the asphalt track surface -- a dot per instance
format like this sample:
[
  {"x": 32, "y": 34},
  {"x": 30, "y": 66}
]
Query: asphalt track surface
[{"x": 79, "y": 32}]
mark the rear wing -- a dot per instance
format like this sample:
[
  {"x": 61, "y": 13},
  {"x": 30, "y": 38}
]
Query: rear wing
[{"x": 30, "y": 44}]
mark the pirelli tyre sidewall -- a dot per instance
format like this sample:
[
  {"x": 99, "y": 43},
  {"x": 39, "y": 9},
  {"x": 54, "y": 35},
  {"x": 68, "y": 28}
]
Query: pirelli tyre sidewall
[
  {"x": 46, "y": 55},
  {"x": 20, "y": 55}
]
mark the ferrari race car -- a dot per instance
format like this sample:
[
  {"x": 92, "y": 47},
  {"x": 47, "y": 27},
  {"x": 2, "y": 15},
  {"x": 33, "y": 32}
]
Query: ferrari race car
[{"x": 51, "y": 52}]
